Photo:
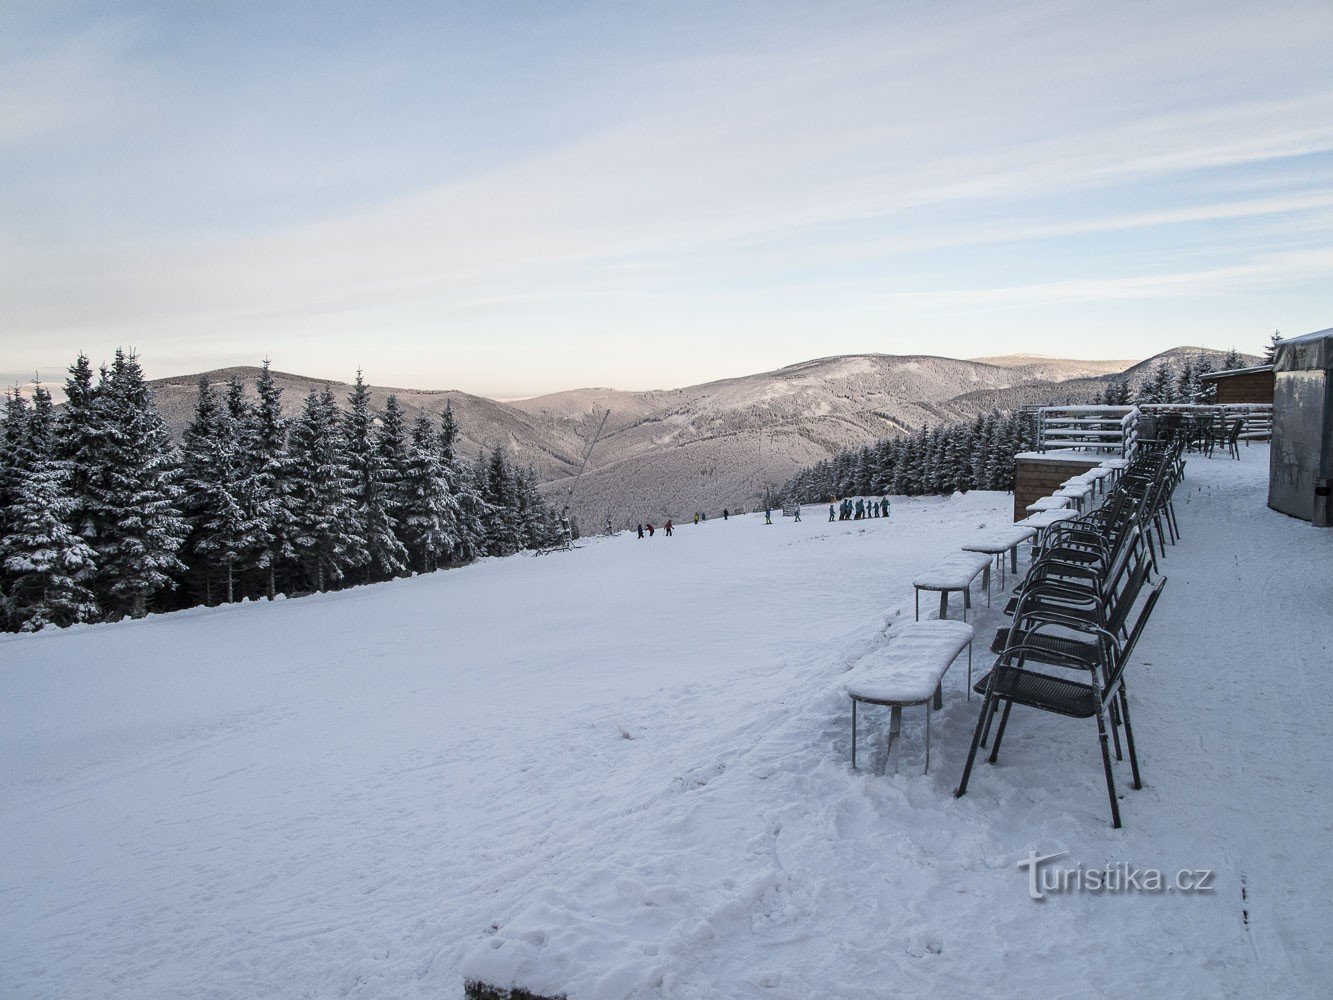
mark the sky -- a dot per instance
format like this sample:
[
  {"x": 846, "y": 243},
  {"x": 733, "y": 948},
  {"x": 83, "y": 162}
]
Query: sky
[{"x": 518, "y": 198}]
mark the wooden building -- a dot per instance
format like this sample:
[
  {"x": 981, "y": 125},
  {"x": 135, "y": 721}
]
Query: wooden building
[
  {"x": 1243, "y": 385},
  {"x": 1039, "y": 474}
]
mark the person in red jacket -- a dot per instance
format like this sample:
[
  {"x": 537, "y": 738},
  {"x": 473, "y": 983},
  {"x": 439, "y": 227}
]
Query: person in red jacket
[
  {"x": 668, "y": 527},
  {"x": 649, "y": 526}
]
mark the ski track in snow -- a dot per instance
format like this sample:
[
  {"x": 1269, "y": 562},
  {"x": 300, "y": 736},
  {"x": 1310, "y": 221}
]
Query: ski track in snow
[{"x": 624, "y": 772}]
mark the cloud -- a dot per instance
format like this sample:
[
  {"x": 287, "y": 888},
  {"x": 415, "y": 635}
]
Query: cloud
[{"x": 916, "y": 127}]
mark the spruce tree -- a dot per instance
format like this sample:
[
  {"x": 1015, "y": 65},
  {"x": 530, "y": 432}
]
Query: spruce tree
[
  {"x": 428, "y": 509},
  {"x": 323, "y": 511},
  {"x": 1270, "y": 352},
  {"x": 392, "y": 445},
  {"x": 46, "y": 562},
  {"x": 503, "y": 530},
  {"x": 381, "y": 553},
  {"x": 448, "y": 434},
  {"x": 134, "y": 497},
  {"x": 216, "y": 479},
  {"x": 270, "y": 483},
  {"x": 78, "y": 436}
]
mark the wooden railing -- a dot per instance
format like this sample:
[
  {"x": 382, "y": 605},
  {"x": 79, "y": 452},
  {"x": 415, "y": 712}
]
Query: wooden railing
[{"x": 1103, "y": 430}]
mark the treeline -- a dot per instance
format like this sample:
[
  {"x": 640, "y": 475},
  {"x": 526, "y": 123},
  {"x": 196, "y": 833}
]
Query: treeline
[
  {"x": 940, "y": 460},
  {"x": 102, "y": 516},
  {"x": 979, "y": 454},
  {"x": 1171, "y": 383}
]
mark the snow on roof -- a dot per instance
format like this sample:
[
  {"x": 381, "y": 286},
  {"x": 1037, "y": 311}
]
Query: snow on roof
[
  {"x": 1252, "y": 370},
  {"x": 1310, "y": 352}
]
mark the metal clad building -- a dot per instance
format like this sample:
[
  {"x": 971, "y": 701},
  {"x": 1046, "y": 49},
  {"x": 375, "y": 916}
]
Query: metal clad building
[{"x": 1301, "y": 460}]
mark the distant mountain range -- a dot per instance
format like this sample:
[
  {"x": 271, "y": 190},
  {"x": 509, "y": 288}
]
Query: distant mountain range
[{"x": 670, "y": 452}]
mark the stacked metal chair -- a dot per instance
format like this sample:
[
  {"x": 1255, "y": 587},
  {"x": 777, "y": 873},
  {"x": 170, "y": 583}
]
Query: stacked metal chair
[{"x": 1079, "y": 613}]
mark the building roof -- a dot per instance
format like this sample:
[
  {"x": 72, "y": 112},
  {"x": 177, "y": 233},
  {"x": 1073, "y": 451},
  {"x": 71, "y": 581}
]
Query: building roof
[
  {"x": 1312, "y": 352},
  {"x": 1253, "y": 370}
]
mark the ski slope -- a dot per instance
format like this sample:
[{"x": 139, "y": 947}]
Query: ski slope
[{"x": 622, "y": 772}]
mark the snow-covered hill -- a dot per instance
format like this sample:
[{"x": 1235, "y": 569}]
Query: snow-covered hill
[{"x": 622, "y": 772}]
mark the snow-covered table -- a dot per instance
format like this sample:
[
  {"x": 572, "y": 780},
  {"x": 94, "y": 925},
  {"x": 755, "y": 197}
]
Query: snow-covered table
[
  {"x": 915, "y": 664},
  {"x": 999, "y": 543},
  {"x": 1043, "y": 520},
  {"x": 1078, "y": 493},
  {"x": 1115, "y": 466},
  {"x": 1048, "y": 503},
  {"x": 954, "y": 572}
]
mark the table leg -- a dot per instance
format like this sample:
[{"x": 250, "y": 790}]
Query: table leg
[{"x": 944, "y": 605}]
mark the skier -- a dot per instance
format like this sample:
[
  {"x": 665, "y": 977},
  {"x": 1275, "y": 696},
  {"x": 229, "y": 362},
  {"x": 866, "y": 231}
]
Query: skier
[
  {"x": 704, "y": 515},
  {"x": 860, "y": 508},
  {"x": 830, "y": 513},
  {"x": 608, "y": 526},
  {"x": 724, "y": 513},
  {"x": 650, "y": 529},
  {"x": 640, "y": 530},
  {"x": 696, "y": 518},
  {"x": 886, "y": 507},
  {"x": 668, "y": 527},
  {"x": 768, "y": 515},
  {"x": 798, "y": 515}
]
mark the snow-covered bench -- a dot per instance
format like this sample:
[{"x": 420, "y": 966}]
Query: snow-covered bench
[
  {"x": 917, "y": 659},
  {"x": 954, "y": 572},
  {"x": 998, "y": 543}
]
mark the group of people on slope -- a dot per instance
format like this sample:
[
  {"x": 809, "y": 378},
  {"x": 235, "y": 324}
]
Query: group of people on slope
[
  {"x": 849, "y": 511},
  {"x": 667, "y": 528}
]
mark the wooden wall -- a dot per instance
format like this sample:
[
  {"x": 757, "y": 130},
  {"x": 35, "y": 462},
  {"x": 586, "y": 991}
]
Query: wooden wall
[
  {"x": 1035, "y": 478},
  {"x": 1255, "y": 387}
]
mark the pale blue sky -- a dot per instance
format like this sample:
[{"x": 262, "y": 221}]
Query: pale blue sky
[{"x": 517, "y": 198}]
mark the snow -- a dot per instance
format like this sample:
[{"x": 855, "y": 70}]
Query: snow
[
  {"x": 918, "y": 655},
  {"x": 955, "y": 571},
  {"x": 624, "y": 772},
  {"x": 1046, "y": 518},
  {"x": 1000, "y": 541}
]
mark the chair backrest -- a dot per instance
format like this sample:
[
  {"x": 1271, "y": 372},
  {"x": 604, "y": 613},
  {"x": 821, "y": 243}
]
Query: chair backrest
[{"x": 1126, "y": 651}]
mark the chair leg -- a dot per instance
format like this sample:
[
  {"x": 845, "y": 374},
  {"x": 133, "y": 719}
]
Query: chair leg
[
  {"x": 895, "y": 733},
  {"x": 999, "y": 733},
  {"x": 1129, "y": 737},
  {"x": 1106, "y": 766},
  {"x": 990, "y": 717},
  {"x": 976, "y": 741},
  {"x": 918, "y": 604},
  {"x": 967, "y": 600},
  {"x": 969, "y": 670},
  {"x": 853, "y": 734},
  {"x": 1115, "y": 732},
  {"x": 944, "y": 606}
]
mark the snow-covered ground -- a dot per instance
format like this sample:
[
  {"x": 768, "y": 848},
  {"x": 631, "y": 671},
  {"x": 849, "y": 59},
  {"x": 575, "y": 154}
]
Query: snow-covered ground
[{"x": 623, "y": 772}]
